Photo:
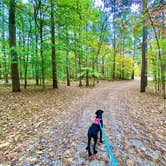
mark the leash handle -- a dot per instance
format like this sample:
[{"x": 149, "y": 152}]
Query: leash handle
[{"x": 113, "y": 160}]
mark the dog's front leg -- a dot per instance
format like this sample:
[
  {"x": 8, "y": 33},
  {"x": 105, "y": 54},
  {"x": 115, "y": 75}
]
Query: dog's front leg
[
  {"x": 101, "y": 132},
  {"x": 88, "y": 147},
  {"x": 94, "y": 147}
]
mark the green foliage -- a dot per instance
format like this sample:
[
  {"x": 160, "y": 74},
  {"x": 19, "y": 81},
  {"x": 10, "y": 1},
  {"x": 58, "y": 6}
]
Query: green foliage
[
  {"x": 91, "y": 73},
  {"x": 81, "y": 30}
]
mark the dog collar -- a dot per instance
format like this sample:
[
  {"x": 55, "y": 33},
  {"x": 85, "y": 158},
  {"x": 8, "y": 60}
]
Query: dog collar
[{"x": 96, "y": 121}]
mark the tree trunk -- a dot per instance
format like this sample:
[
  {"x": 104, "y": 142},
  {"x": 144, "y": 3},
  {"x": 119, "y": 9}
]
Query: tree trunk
[
  {"x": 102, "y": 68},
  {"x": 23, "y": 45},
  {"x": 36, "y": 10},
  {"x": 93, "y": 70},
  {"x": 154, "y": 72},
  {"x": 4, "y": 47},
  {"x": 114, "y": 58},
  {"x": 75, "y": 57},
  {"x": 76, "y": 68},
  {"x": 27, "y": 56},
  {"x": 36, "y": 59},
  {"x": 54, "y": 75},
  {"x": 20, "y": 57},
  {"x": 163, "y": 67},
  {"x": 67, "y": 67},
  {"x": 123, "y": 65},
  {"x": 41, "y": 46},
  {"x": 114, "y": 44},
  {"x": 144, "y": 51},
  {"x": 87, "y": 71},
  {"x": 123, "y": 72},
  {"x": 162, "y": 61},
  {"x": 132, "y": 76},
  {"x": 87, "y": 77},
  {"x": 79, "y": 63},
  {"x": 12, "y": 44}
]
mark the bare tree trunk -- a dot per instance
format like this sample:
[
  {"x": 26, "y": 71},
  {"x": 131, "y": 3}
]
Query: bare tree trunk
[
  {"x": 114, "y": 44},
  {"x": 20, "y": 57},
  {"x": 27, "y": 55},
  {"x": 163, "y": 67},
  {"x": 80, "y": 48},
  {"x": 76, "y": 68},
  {"x": 75, "y": 57},
  {"x": 67, "y": 67},
  {"x": 103, "y": 66},
  {"x": 87, "y": 72},
  {"x": 36, "y": 59},
  {"x": 54, "y": 75},
  {"x": 122, "y": 70},
  {"x": 144, "y": 51},
  {"x": 114, "y": 58},
  {"x": 93, "y": 70},
  {"x": 3, "y": 46},
  {"x": 41, "y": 46},
  {"x": 132, "y": 76},
  {"x": 36, "y": 10},
  {"x": 67, "y": 59},
  {"x": 79, "y": 63},
  {"x": 123, "y": 65},
  {"x": 12, "y": 44}
]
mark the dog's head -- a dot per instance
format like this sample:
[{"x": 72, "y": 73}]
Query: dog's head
[{"x": 99, "y": 113}]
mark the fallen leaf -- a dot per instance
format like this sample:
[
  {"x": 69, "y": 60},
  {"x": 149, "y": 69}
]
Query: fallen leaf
[
  {"x": 130, "y": 162},
  {"x": 33, "y": 160},
  {"x": 39, "y": 152},
  {"x": 4, "y": 145},
  {"x": 69, "y": 160}
]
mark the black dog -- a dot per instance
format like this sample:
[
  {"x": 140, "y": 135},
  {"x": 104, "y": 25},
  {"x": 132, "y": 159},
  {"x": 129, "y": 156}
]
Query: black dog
[{"x": 93, "y": 131}]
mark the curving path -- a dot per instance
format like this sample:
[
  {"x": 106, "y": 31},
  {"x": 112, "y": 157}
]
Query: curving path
[{"x": 135, "y": 137}]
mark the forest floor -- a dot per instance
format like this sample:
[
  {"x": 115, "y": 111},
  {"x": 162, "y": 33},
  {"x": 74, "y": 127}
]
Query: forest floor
[{"x": 50, "y": 127}]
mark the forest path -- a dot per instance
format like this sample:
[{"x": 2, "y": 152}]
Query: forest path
[
  {"x": 136, "y": 138},
  {"x": 134, "y": 124}
]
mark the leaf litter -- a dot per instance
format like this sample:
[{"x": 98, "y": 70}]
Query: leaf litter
[{"x": 50, "y": 127}]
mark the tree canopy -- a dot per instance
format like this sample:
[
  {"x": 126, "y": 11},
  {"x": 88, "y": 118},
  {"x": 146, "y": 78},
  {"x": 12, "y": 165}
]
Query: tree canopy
[{"x": 82, "y": 40}]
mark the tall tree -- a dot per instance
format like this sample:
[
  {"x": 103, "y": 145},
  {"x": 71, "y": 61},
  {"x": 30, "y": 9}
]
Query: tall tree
[
  {"x": 41, "y": 16},
  {"x": 114, "y": 40},
  {"x": 144, "y": 49},
  {"x": 4, "y": 45},
  {"x": 134, "y": 45},
  {"x": 67, "y": 60},
  {"x": 54, "y": 75},
  {"x": 36, "y": 7},
  {"x": 12, "y": 44},
  {"x": 159, "y": 53}
]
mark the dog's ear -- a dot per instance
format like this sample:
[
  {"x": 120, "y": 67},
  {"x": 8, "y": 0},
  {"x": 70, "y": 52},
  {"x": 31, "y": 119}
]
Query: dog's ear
[{"x": 97, "y": 112}]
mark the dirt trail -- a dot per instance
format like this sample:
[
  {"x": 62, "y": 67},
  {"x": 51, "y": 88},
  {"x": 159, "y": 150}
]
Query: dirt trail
[
  {"x": 134, "y": 124},
  {"x": 133, "y": 140}
]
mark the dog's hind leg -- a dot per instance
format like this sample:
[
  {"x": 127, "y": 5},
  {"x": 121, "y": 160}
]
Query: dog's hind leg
[
  {"x": 101, "y": 132},
  {"x": 88, "y": 147},
  {"x": 94, "y": 147},
  {"x": 101, "y": 137}
]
